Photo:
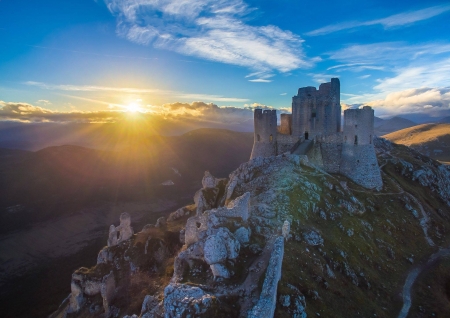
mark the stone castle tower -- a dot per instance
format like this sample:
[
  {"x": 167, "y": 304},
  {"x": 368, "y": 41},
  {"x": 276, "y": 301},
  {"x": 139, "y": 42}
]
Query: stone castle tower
[
  {"x": 317, "y": 112},
  {"x": 265, "y": 139},
  {"x": 314, "y": 129},
  {"x": 358, "y": 161}
]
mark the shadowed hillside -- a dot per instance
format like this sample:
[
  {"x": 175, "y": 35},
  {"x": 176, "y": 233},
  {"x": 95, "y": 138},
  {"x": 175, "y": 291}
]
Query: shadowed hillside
[
  {"x": 432, "y": 140},
  {"x": 60, "y": 180}
]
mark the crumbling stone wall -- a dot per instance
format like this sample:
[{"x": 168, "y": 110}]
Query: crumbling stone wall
[{"x": 265, "y": 308}]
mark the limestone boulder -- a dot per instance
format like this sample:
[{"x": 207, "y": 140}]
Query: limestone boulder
[
  {"x": 215, "y": 250},
  {"x": 220, "y": 270},
  {"x": 186, "y": 301},
  {"x": 242, "y": 234}
]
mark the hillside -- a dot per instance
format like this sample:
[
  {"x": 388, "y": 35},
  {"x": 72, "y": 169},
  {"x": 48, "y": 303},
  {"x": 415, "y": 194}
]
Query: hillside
[
  {"x": 338, "y": 249},
  {"x": 432, "y": 140},
  {"x": 386, "y": 126},
  {"x": 56, "y": 203}
]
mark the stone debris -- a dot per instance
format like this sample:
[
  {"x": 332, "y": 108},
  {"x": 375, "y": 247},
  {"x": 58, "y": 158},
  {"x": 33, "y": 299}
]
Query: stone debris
[{"x": 285, "y": 230}]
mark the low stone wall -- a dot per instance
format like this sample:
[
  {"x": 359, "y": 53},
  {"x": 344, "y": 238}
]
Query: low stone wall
[
  {"x": 285, "y": 143},
  {"x": 265, "y": 308}
]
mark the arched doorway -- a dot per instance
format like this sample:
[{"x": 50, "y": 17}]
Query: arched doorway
[{"x": 306, "y": 135}]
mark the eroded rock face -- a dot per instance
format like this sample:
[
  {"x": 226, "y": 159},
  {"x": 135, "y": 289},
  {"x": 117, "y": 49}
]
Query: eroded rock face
[
  {"x": 209, "y": 181},
  {"x": 186, "y": 301},
  {"x": 84, "y": 285},
  {"x": 178, "y": 214}
]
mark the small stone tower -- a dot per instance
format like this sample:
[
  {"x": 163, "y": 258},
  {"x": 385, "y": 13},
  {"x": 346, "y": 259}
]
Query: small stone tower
[
  {"x": 317, "y": 112},
  {"x": 359, "y": 161},
  {"x": 265, "y": 144}
]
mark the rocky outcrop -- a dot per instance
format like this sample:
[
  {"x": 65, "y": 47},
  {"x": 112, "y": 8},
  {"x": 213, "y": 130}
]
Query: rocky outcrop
[
  {"x": 186, "y": 301},
  {"x": 121, "y": 233}
]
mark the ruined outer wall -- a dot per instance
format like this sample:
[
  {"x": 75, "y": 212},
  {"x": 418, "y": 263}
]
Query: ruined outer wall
[
  {"x": 265, "y": 308},
  {"x": 265, "y": 137}
]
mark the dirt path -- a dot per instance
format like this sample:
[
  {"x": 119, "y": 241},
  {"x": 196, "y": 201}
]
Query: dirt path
[{"x": 411, "y": 278}]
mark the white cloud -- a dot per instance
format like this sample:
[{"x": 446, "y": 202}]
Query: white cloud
[
  {"x": 401, "y": 19},
  {"x": 431, "y": 101},
  {"x": 209, "y": 29}
]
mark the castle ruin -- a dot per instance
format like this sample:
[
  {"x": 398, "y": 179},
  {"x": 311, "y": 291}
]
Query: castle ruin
[{"x": 314, "y": 129}]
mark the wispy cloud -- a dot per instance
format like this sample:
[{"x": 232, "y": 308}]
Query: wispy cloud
[
  {"x": 364, "y": 76},
  {"x": 209, "y": 29},
  {"x": 355, "y": 67},
  {"x": 322, "y": 78},
  {"x": 401, "y": 19},
  {"x": 130, "y": 90},
  {"x": 416, "y": 75}
]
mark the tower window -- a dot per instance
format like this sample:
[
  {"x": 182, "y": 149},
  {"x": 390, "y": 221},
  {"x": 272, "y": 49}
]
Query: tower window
[
  {"x": 356, "y": 126},
  {"x": 313, "y": 115},
  {"x": 271, "y": 138},
  {"x": 370, "y": 140},
  {"x": 356, "y": 140},
  {"x": 258, "y": 138}
]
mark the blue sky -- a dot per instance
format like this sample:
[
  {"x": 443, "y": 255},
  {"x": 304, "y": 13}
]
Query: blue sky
[{"x": 159, "y": 56}]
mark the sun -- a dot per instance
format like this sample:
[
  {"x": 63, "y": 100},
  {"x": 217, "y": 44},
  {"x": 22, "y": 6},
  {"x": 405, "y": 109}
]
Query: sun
[{"x": 133, "y": 107}]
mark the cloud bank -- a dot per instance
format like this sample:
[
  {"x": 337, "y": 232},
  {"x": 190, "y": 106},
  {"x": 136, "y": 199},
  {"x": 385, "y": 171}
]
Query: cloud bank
[{"x": 215, "y": 30}]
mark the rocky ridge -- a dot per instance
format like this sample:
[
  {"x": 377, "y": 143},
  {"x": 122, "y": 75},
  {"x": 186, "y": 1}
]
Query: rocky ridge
[{"x": 280, "y": 237}]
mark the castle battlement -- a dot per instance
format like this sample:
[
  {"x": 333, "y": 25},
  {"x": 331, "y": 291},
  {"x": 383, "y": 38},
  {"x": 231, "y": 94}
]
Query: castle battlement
[{"x": 316, "y": 121}]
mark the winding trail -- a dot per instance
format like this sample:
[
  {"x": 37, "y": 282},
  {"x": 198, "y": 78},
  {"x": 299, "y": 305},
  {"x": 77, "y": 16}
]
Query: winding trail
[{"x": 410, "y": 279}]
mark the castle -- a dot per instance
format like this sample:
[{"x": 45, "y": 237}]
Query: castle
[{"x": 314, "y": 129}]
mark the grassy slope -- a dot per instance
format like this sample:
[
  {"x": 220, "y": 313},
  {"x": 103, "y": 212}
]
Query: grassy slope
[
  {"x": 429, "y": 139},
  {"x": 378, "y": 257}
]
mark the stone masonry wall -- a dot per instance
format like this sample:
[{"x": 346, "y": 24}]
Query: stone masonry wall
[
  {"x": 331, "y": 149},
  {"x": 358, "y": 126},
  {"x": 285, "y": 143},
  {"x": 265, "y": 137},
  {"x": 359, "y": 163}
]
